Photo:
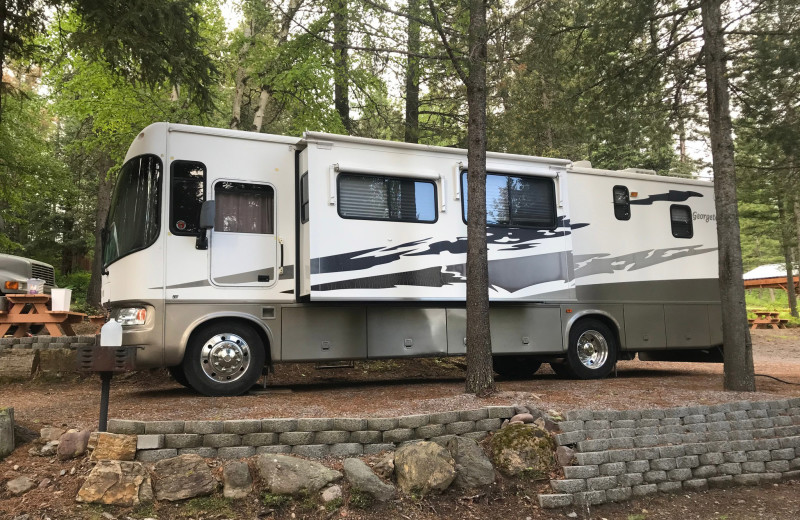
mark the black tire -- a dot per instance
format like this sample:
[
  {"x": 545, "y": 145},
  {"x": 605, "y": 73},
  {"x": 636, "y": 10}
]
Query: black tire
[
  {"x": 515, "y": 367},
  {"x": 223, "y": 359},
  {"x": 592, "y": 350},
  {"x": 562, "y": 369},
  {"x": 177, "y": 374}
]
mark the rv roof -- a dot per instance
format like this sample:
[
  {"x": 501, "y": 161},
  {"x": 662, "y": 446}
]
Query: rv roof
[
  {"x": 322, "y": 137},
  {"x": 634, "y": 173},
  {"x": 238, "y": 134}
]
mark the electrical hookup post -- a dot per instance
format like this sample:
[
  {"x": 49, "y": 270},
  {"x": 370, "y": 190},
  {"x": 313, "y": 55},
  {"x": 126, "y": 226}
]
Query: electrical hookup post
[{"x": 106, "y": 358}]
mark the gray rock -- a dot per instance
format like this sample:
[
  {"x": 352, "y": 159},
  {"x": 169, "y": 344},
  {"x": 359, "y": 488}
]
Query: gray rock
[
  {"x": 473, "y": 468},
  {"x": 72, "y": 445},
  {"x": 49, "y": 449},
  {"x": 364, "y": 480},
  {"x": 384, "y": 467},
  {"x": 564, "y": 455},
  {"x": 119, "y": 483},
  {"x": 286, "y": 475},
  {"x": 331, "y": 493},
  {"x": 423, "y": 467},
  {"x": 20, "y": 485},
  {"x": 236, "y": 480},
  {"x": 7, "y": 432},
  {"x": 181, "y": 477},
  {"x": 522, "y": 448}
]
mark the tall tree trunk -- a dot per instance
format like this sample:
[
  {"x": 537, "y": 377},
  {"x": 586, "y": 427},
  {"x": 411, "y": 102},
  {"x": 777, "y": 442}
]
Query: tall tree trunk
[
  {"x": 104, "y": 186},
  {"x": 785, "y": 222},
  {"x": 738, "y": 347},
  {"x": 480, "y": 377},
  {"x": 412, "y": 74},
  {"x": 241, "y": 78},
  {"x": 340, "y": 70},
  {"x": 258, "y": 118}
]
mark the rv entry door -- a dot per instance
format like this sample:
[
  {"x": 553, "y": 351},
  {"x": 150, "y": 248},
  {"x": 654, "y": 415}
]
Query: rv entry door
[{"x": 244, "y": 246}]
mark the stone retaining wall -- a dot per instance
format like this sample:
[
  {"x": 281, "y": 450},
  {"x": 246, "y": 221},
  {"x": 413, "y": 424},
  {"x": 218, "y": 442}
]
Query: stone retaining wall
[
  {"x": 625, "y": 454},
  {"x": 310, "y": 437},
  {"x": 46, "y": 356}
]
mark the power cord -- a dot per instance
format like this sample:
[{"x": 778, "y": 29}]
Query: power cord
[{"x": 777, "y": 379}]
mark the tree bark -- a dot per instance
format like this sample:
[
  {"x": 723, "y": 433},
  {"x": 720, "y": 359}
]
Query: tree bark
[
  {"x": 236, "y": 117},
  {"x": 104, "y": 186},
  {"x": 785, "y": 222},
  {"x": 340, "y": 71},
  {"x": 258, "y": 118},
  {"x": 480, "y": 376},
  {"x": 738, "y": 348},
  {"x": 412, "y": 74}
]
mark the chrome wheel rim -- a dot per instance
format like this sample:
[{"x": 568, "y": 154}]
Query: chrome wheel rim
[
  {"x": 225, "y": 358},
  {"x": 592, "y": 349}
]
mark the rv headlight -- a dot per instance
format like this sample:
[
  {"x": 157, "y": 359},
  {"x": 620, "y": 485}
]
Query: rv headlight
[{"x": 131, "y": 316}]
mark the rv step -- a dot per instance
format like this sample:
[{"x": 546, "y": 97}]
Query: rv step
[{"x": 335, "y": 364}]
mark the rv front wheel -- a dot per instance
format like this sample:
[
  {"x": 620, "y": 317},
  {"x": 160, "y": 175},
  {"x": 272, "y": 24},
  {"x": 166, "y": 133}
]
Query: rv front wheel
[
  {"x": 223, "y": 359},
  {"x": 592, "y": 351}
]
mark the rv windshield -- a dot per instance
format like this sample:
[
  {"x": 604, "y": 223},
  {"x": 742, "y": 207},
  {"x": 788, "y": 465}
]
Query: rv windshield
[{"x": 133, "y": 219}]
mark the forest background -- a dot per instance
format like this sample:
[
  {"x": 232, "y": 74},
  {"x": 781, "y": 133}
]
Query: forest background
[{"x": 618, "y": 83}]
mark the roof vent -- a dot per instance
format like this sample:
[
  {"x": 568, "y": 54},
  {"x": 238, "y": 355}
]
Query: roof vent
[{"x": 582, "y": 164}]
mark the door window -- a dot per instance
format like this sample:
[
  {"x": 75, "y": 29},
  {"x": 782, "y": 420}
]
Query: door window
[{"x": 244, "y": 208}]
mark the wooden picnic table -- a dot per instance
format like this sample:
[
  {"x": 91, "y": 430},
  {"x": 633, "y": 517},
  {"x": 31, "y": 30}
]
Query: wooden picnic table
[
  {"x": 33, "y": 309},
  {"x": 767, "y": 319}
]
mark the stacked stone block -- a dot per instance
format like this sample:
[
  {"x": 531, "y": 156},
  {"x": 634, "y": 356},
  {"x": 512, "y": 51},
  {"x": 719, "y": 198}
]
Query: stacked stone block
[
  {"x": 310, "y": 437},
  {"x": 631, "y": 453}
]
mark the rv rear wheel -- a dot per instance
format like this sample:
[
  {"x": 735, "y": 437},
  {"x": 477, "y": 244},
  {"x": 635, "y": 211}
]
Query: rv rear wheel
[
  {"x": 515, "y": 367},
  {"x": 592, "y": 351},
  {"x": 223, "y": 359}
]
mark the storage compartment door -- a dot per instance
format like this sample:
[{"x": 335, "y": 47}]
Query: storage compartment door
[
  {"x": 644, "y": 327},
  {"x": 687, "y": 326}
]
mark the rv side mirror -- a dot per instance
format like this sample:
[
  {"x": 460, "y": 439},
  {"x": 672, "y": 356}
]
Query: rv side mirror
[{"x": 207, "y": 214}]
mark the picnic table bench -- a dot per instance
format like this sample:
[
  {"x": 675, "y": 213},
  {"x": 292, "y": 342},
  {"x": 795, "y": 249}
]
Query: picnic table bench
[
  {"x": 767, "y": 319},
  {"x": 32, "y": 309}
]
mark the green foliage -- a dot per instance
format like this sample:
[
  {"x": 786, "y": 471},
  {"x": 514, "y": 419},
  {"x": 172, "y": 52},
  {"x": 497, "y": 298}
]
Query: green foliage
[
  {"x": 275, "y": 501},
  {"x": 360, "y": 500},
  {"x": 78, "y": 281}
]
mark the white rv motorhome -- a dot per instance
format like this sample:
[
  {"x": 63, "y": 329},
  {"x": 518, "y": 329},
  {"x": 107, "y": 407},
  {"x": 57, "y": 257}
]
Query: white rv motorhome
[{"x": 229, "y": 251}]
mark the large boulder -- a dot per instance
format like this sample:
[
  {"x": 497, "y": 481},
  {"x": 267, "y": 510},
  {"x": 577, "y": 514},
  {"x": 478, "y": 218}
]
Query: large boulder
[
  {"x": 181, "y": 477},
  {"x": 423, "y": 467},
  {"x": 473, "y": 468},
  {"x": 522, "y": 449},
  {"x": 114, "y": 446},
  {"x": 285, "y": 475},
  {"x": 72, "y": 444},
  {"x": 364, "y": 480},
  {"x": 236, "y": 479},
  {"x": 117, "y": 483}
]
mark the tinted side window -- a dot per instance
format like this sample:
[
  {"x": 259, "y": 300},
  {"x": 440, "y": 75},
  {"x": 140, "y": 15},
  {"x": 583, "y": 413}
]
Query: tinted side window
[
  {"x": 516, "y": 201},
  {"x": 622, "y": 203},
  {"x": 373, "y": 197},
  {"x": 681, "y": 219},
  {"x": 188, "y": 194}
]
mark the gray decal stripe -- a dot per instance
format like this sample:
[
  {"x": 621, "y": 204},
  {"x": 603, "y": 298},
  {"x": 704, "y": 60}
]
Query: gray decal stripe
[
  {"x": 510, "y": 274},
  {"x": 516, "y": 239},
  {"x": 602, "y": 263},
  {"x": 190, "y": 285},
  {"x": 671, "y": 196}
]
